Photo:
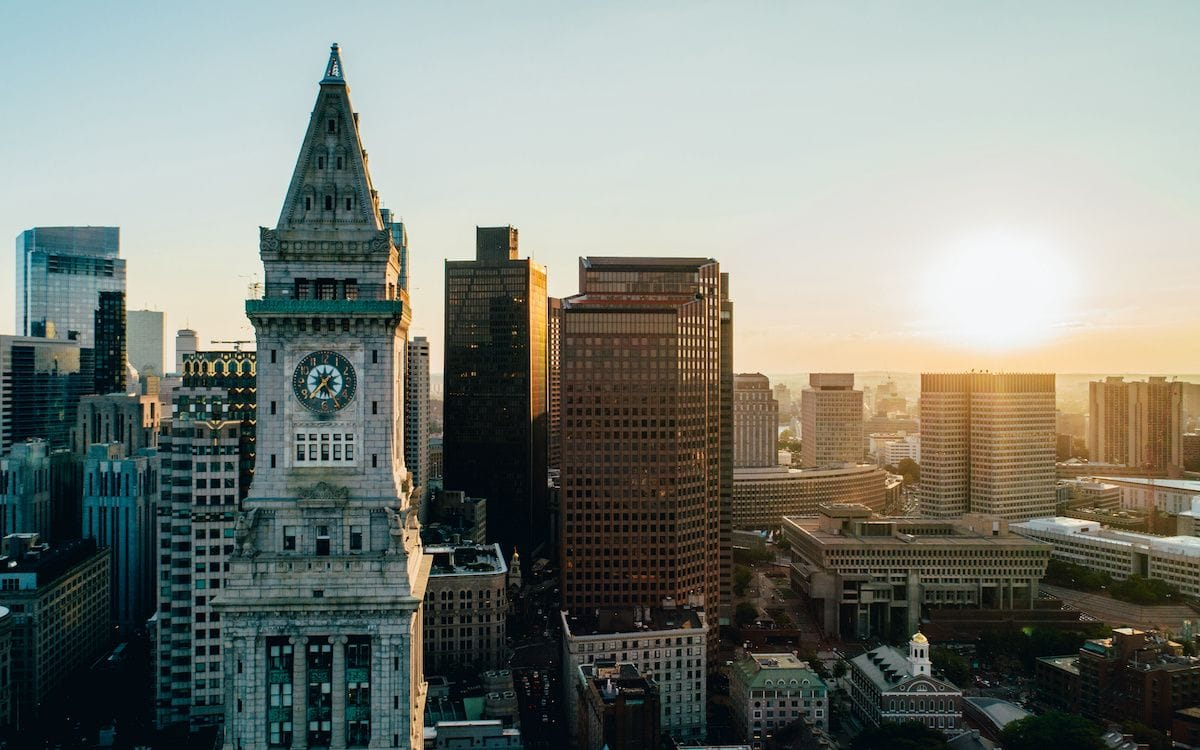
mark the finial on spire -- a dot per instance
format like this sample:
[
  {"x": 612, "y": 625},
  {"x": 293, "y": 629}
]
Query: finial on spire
[{"x": 333, "y": 71}]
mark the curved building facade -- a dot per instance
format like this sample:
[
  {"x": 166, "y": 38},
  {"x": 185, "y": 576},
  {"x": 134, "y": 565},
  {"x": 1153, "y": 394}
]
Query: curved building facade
[{"x": 762, "y": 496}]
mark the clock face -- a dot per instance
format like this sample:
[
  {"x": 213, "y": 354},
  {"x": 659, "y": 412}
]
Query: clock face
[{"x": 324, "y": 382}]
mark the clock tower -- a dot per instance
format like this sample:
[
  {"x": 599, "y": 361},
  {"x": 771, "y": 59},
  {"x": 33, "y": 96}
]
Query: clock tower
[{"x": 321, "y": 609}]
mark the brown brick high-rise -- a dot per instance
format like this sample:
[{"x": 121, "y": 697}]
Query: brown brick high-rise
[{"x": 642, "y": 433}]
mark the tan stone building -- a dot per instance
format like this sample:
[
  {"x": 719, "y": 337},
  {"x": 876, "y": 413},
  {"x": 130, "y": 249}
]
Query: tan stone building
[
  {"x": 755, "y": 421},
  {"x": 987, "y": 444},
  {"x": 831, "y": 420},
  {"x": 466, "y": 608},
  {"x": 763, "y": 496},
  {"x": 1136, "y": 424}
]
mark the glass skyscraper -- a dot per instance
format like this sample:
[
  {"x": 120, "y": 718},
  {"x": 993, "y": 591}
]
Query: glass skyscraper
[
  {"x": 61, "y": 272},
  {"x": 494, "y": 443}
]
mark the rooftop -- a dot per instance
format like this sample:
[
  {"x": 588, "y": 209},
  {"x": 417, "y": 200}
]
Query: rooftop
[
  {"x": 1187, "y": 546},
  {"x": 23, "y": 553},
  {"x": 638, "y": 620},
  {"x": 773, "y": 669},
  {"x": 1180, "y": 485},
  {"x": 611, "y": 680},
  {"x": 466, "y": 559},
  {"x": 888, "y": 667},
  {"x": 1069, "y": 663}
]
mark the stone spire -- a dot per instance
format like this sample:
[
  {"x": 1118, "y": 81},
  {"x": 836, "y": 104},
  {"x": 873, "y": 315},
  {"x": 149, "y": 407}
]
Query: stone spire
[{"x": 331, "y": 186}]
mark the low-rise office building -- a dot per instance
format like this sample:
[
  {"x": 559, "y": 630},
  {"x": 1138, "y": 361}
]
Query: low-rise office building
[
  {"x": 887, "y": 685},
  {"x": 770, "y": 691},
  {"x": 618, "y": 707},
  {"x": 1174, "y": 559},
  {"x": 668, "y": 644},
  {"x": 58, "y": 599},
  {"x": 466, "y": 608},
  {"x": 867, "y": 575},
  {"x": 763, "y": 496}
]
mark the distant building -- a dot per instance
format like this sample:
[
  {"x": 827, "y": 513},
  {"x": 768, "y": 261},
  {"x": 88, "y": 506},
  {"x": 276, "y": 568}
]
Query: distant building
[
  {"x": 987, "y": 444},
  {"x": 867, "y": 575},
  {"x": 7, "y": 686},
  {"x": 58, "y": 598},
  {"x": 1174, "y": 559},
  {"x": 619, "y": 708},
  {"x": 144, "y": 341},
  {"x": 667, "y": 644},
  {"x": 25, "y": 500},
  {"x": 1086, "y": 492},
  {"x": 755, "y": 421},
  {"x": 120, "y": 498},
  {"x": 466, "y": 608},
  {"x": 112, "y": 368},
  {"x": 61, "y": 273},
  {"x": 186, "y": 342},
  {"x": 832, "y": 420},
  {"x": 887, "y": 685},
  {"x": 125, "y": 418},
  {"x": 890, "y": 448},
  {"x": 769, "y": 691},
  {"x": 1136, "y": 424},
  {"x": 494, "y": 437},
  {"x": 416, "y": 421},
  {"x": 762, "y": 497},
  {"x": 41, "y": 382},
  {"x": 1164, "y": 495},
  {"x": 455, "y": 518},
  {"x": 1056, "y": 683}
]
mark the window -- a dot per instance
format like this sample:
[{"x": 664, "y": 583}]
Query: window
[
  {"x": 356, "y": 538},
  {"x": 320, "y": 162},
  {"x": 329, "y": 203},
  {"x": 322, "y": 541},
  {"x": 351, "y": 289},
  {"x": 331, "y": 125},
  {"x": 349, "y": 201},
  {"x": 289, "y": 537},
  {"x": 307, "y": 203},
  {"x": 272, "y": 408},
  {"x": 339, "y": 162}
]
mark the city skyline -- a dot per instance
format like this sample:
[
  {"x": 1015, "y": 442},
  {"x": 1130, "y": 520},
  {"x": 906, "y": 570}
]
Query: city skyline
[{"x": 860, "y": 191}]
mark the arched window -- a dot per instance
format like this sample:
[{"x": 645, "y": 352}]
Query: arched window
[
  {"x": 328, "y": 202},
  {"x": 320, "y": 162},
  {"x": 331, "y": 125}
]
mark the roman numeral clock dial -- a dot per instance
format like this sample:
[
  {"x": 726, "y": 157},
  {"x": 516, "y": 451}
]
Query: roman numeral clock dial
[{"x": 324, "y": 382}]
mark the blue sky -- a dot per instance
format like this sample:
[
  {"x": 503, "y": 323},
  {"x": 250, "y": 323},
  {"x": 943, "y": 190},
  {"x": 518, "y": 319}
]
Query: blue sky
[{"x": 833, "y": 157}]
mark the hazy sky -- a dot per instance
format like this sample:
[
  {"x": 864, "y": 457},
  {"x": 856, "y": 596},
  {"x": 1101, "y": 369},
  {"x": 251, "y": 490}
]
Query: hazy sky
[{"x": 892, "y": 185}]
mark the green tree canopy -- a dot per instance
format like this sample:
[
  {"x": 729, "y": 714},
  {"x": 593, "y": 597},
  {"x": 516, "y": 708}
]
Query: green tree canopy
[
  {"x": 909, "y": 735},
  {"x": 745, "y": 614},
  {"x": 1054, "y": 729}
]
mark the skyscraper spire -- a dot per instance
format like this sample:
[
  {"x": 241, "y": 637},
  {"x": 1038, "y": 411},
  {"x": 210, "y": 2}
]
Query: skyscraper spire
[{"x": 333, "y": 70}]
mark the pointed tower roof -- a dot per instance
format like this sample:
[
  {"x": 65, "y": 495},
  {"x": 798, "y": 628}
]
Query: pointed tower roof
[
  {"x": 333, "y": 69},
  {"x": 331, "y": 187}
]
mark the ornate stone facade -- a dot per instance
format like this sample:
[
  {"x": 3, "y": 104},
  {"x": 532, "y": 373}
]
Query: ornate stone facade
[{"x": 321, "y": 612}]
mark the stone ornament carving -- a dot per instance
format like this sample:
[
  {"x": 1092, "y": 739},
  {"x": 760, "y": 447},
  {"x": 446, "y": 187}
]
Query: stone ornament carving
[
  {"x": 244, "y": 530},
  {"x": 379, "y": 242},
  {"x": 324, "y": 490},
  {"x": 268, "y": 240}
]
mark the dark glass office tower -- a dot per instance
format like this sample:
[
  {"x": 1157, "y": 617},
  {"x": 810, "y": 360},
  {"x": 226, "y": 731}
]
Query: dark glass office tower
[
  {"x": 61, "y": 272},
  {"x": 494, "y": 440},
  {"x": 109, "y": 335}
]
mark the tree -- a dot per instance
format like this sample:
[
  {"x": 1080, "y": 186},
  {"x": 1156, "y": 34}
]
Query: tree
[
  {"x": 1053, "y": 729},
  {"x": 952, "y": 665},
  {"x": 1143, "y": 734},
  {"x": 745, "y": 614},
  {"x": 910, "y": 470},
  {"x": 839, "y": 669},
  {"x": 909, "y": 735},
  {"x": 741, "y": 579}
]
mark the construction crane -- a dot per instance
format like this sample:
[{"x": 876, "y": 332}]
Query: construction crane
[{"x": 237, "y": 343}]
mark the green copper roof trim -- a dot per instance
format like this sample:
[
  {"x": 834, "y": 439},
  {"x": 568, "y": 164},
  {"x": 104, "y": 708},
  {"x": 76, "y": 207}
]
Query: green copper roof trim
[{"x": 372, "y": 307}]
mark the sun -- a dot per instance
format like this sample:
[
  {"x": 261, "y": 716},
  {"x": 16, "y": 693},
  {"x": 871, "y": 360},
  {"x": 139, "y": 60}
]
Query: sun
[{"x": 997, "y": 291}]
